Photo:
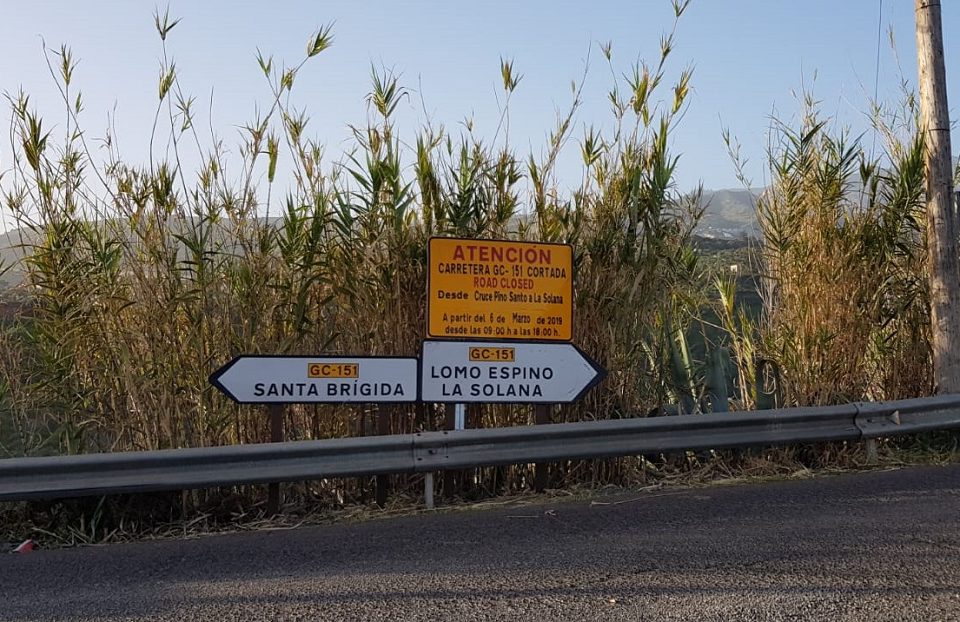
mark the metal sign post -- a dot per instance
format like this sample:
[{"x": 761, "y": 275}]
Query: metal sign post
[
  {"x": 499, "y": 323},
  {"x": 279, "y": 380},
  {"x": 460, "y": 417}
]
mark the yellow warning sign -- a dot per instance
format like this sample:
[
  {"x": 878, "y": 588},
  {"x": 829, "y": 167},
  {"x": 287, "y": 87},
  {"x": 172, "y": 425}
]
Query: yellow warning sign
[{"x": 499, "y": 289}]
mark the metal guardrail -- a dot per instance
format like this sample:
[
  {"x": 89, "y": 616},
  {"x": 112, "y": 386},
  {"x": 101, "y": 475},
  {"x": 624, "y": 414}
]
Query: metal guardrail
[{"x": 136, "y": 472}]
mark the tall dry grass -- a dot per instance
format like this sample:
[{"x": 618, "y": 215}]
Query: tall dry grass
[
  {"x": 846, "y": 308},
  {"x": 141, "y": 279}
]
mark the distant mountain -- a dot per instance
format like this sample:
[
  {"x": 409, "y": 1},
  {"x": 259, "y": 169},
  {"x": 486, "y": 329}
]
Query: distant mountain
[
  {"x": 729, "y": 213},
  {"x": 9, "y": 258}
]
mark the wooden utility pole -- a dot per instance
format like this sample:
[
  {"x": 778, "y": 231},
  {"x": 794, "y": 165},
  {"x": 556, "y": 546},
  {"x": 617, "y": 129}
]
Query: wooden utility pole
[{"x": 941, "y": 215}]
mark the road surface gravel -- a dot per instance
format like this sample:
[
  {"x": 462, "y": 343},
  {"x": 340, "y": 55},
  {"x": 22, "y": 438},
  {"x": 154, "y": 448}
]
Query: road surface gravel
[{"x": 881, "y": 545}]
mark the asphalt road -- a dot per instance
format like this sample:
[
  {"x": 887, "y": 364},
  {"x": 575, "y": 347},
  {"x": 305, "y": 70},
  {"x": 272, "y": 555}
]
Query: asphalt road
[{"x": 866, "y": 547}]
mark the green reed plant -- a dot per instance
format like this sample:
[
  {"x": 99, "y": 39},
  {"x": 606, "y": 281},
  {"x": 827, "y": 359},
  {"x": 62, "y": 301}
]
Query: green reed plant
[
  {"x": 142, "y": 278},
  {"x": 845, "y": 304}
]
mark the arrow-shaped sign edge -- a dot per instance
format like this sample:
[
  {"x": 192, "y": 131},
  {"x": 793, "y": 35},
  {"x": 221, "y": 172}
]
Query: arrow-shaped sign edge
[
  {"x": 214, "y": 378},
  {"x": 599, "y": 374}
]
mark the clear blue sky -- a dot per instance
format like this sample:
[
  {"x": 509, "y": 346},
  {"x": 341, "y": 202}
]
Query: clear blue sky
[{"x": 749, "y": 57}]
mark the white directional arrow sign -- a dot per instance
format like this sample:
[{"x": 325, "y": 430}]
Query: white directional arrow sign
[
  {"x": 514, "y": 372},
  {"x": 256, "y": 379}
]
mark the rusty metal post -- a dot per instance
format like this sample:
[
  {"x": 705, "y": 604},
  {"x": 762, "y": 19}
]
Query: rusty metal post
[
  {"x": 276, "y": 436},
  {"x": 449, "y": 423},
  {"x": 383, "y": 428},
  {"x": 541, "y": 415}
]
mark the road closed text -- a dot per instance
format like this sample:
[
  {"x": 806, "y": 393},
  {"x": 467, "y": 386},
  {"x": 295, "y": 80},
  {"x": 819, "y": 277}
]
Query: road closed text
[{"x": 499, "y": 289}]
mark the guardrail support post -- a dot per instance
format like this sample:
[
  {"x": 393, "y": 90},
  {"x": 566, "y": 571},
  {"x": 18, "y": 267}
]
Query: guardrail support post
[
  {"x": 276, "y": 436},
  {"x": 871, "y": 447},
  {"x": 428, "y": 490}
]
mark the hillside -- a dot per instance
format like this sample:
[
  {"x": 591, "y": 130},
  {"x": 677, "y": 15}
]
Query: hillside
[
  {"x": 729, "y": 213},
  {"x": 10, "y": 274}
]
